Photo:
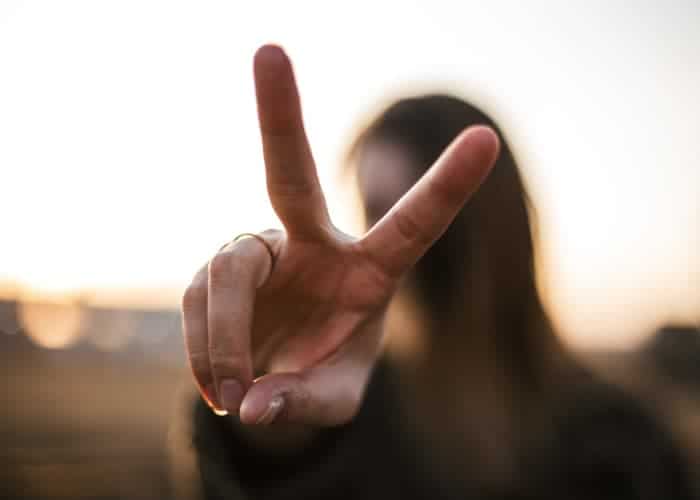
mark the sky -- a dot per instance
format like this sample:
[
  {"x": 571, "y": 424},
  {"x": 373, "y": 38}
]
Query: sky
[{"x": 130, "y": 152}]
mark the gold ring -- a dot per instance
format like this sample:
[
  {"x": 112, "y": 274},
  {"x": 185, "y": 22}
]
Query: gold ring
[{"x": 261, "y": 240}]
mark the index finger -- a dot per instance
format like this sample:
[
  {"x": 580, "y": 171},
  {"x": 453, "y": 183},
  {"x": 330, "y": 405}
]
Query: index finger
[
  {"x": 292, "y": 182},
  {"x": 423, "y": 214}
]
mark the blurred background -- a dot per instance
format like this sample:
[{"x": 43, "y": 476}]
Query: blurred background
[{"x": 129, "y": 152}]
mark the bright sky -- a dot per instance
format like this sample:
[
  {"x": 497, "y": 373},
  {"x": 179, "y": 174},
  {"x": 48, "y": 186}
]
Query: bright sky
[{"x": 129, "y": 148}]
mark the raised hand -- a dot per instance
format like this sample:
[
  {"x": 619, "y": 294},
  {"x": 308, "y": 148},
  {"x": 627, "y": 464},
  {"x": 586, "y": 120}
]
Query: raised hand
[{"x": 292, "y": 334}]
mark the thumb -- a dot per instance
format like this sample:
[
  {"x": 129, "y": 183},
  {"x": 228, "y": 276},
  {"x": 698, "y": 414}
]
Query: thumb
[{"x": 323, "y": 396}]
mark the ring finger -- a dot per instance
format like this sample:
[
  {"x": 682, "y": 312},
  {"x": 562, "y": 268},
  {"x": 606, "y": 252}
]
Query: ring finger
[{"x": 234, "y": 275}]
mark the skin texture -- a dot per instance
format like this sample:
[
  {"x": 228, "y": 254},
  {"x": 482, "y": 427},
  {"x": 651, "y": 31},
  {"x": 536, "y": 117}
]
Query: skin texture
[{"x": 296, "y": 342}]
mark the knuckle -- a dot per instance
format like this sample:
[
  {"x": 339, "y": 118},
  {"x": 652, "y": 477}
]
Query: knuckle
[
  {"x": 244, "y": 261},
  {"x": 410, "y": 230},
  {"x": 193, "y": 298},
  {"x": 231, "y": 268},
  {"x": 293, "y": 187},
  {"x": 302, "y": 400},
  {"x": 299, "y": 406},
  {"x": 223, "y": 349},
  {"x": 223, "y": 364},
  {"x": 220, "y": 266},
  {"x": 272, "y": 234},
  {"x": 309, "y": 406},
  {"x": 220, "y": 269}
]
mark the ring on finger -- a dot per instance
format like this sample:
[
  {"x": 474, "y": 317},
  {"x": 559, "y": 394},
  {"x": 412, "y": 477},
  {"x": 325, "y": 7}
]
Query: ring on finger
[{"x": 259, "y": 238}]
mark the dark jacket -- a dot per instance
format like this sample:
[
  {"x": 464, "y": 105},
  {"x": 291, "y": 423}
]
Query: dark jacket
[{"x": 601, "y": 444}]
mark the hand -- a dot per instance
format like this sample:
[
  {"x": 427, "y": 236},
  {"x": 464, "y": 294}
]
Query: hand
[{"x": 308, "y": 323}]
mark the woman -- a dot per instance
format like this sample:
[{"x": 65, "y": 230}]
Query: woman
[{"x": 475, "y": 396}]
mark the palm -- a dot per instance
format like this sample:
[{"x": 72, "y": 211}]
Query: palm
[
  {"x": 320, "y": 297},
  {"x": 313, "y": 327}
]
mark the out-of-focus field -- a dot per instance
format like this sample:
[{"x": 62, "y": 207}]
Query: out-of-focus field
[
  {"x": 86, "y": 422},
  {"x": 89, "y": 396}
]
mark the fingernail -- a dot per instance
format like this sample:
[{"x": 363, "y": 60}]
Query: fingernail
[
  {"x": 210, "y": 399},
  {"x": 231, "y": 395},
  {"x": 273, "y": 409},
  {"x": 210, "y": 394}
]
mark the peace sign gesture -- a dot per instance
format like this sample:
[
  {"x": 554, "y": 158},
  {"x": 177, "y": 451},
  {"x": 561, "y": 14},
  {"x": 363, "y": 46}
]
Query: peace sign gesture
[{"x": 302, "y": 309}]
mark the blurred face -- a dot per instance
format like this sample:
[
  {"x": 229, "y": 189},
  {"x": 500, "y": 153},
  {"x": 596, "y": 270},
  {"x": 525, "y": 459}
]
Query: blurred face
[{"x": 385, "y": 172}]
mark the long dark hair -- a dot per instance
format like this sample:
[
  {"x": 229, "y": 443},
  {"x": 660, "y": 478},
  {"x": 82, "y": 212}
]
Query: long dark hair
[
  {"x": 479, "y": 277},
  {"x": 488, "y": 332}
]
